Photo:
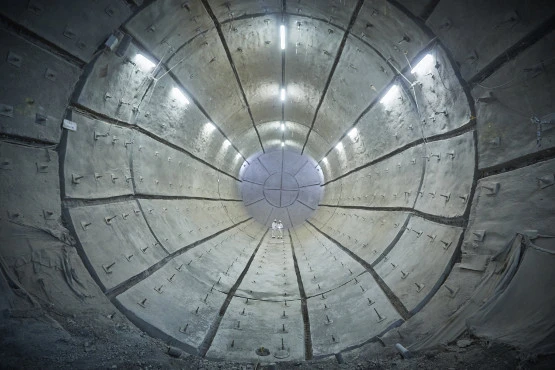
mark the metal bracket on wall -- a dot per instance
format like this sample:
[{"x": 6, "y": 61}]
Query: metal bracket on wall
[
  {"x": 479, "y": 235},
  {"x": 546, "y": 181},
  {"x": 14, "y": 59},
  {"x": 42, "y": 167},
  {"x": 492, "y": 187},
  {"x": 6, "y": 110},
  {"x": 35, "y": 7},
  {"x": 50, "y": 74},
  {"x": 41, "y": 119},
  {"x": 5, "y": 164},
  {"x": 69, "y": 33}
]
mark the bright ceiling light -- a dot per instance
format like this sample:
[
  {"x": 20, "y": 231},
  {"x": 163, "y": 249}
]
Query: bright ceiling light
[
  {"x": 282, "y": 36},
  {"x": 282, "y": 144},
  {"x": 282, "y": 126},
  {"x": 390, "y": 95},
  {"x": 145, "y": 64},
  {"x": 424, "y": 65},
  {"x": 339, "y": 146},
  {"x": 353, "y": 133},
  {"x": 238, "y": 156},
  {"x": 178, "y": 95},
  {"x": 325, "y": 160},
  {"x": 226, "y": 143},
  {"x": 210, "y": 126},
  {"x": 282, "y": 94}
]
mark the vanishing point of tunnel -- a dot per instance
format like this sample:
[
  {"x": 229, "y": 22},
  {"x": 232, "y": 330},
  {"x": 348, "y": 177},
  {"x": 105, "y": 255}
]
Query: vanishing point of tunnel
[{"x": 275, "y": 184}]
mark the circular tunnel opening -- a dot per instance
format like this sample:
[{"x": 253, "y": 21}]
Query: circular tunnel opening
[
  {"x": 281, "y": 189},
  {"x": 281, "y": 185}
]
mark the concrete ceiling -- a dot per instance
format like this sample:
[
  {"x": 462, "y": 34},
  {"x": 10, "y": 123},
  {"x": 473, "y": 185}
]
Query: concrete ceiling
[{"x": 331, "y": 68}]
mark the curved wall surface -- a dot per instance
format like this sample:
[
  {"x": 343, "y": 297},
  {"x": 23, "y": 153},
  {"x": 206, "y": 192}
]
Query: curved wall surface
[{"x": 408, "y": 149}]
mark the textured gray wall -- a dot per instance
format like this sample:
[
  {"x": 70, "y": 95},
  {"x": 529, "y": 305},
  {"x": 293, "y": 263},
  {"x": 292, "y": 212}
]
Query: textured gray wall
[{"x": 148, "y": 190}]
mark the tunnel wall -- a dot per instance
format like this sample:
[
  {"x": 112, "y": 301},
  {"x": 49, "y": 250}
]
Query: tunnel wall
[
  {"x": 448, "y": 173},
  {"x": 471, "y": 129}
]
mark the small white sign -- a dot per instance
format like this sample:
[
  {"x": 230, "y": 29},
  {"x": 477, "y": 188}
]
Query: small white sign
[{"x": 70, "y": 125}]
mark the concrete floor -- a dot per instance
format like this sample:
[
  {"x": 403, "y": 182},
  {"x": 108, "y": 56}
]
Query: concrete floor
[{"x": 408, "y": 148}]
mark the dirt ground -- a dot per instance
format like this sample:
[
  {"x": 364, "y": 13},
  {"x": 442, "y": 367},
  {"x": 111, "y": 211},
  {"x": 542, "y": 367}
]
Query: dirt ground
[{"x": 98, "y": 341}]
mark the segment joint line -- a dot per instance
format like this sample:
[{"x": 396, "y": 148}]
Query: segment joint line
[{"x": 232, "y": 64}]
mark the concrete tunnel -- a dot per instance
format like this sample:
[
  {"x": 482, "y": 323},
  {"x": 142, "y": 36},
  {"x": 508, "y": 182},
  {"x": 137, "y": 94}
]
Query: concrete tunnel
[{"x": 147, "y": 146}]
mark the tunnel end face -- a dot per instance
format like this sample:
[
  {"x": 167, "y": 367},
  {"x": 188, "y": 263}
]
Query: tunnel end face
[{"x": 281, "y": 185}]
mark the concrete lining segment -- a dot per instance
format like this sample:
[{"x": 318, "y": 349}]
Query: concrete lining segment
[
  {"x": 325, "y": 270},
  {"x": 470, "y": 126},
  {"x": 491, "y": 226},
  {"x": 161, "y": 24},
  {"x": 101, "y": 176},
  {"x": 272, "y": 275},
  {"x": 349, "y": 316},
  {"x": 419, "y": 115},
  {"x": 36, "y": 108},
  {"x": 334, "y": 66},
  {"x": 505, "y": 97},
  {"x": 304, "y": 83},
  {"x": 416, "y": 116},
  {"x": 359, "y": 78},
  {"x": 399, "y": 306},
  {"x": 209, "y": 338},
  {"x": 77, "y": 34},
  {"x": 160, "y": 19},
  {"x": 42, "y": 43},
  {"x": 411, "y": 278},
  {"x": 228, "y": 53},
  {"x": 382, "y": 230},
  {"x": 99, "y": 227},
  {"x": 250, "y": 42},
  {"x": 143, "y": 275},
  {"x": 197, "y": 307},
  {"x": 366, "y": 188},
  {"x": 30, "y": 186},
  {"x": 86, "y": 112},
  {"x": 253, "y": 328},
  {"x": 493, "y": 32}
]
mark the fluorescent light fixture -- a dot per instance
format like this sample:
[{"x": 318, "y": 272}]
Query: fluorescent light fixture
[
  {"x": 282, "y": 144},
  {"x": 226, "y": 143},
  {"x": 339, "y": 146},
  {"x": 282, "y": 36},
  {"x": 282, "y": 126},
  {"x": 145, "y": 64},
  {"x": 178, "y": 95},
  {"x": 282, "y": 94},
  {"x": 390, "y": 95},
  {"x": 353, "y": 133},
  {"x": 210, "y": 126},
  {"x": 424, "y": 65}
]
